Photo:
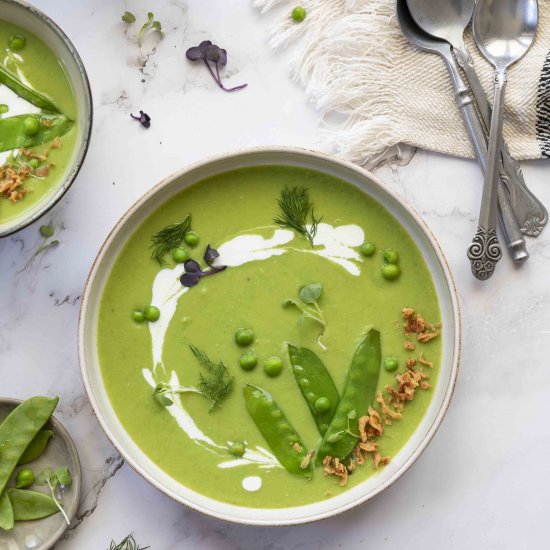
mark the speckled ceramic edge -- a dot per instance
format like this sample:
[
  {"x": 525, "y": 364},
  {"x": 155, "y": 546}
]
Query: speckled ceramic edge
[
  {"x": 87, "y": 109},
  {"x": 62, "y": 433},
  {"x": 297, "y": 514}
]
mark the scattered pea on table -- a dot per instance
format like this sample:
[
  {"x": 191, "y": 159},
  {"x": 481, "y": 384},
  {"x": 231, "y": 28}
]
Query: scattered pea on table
[{"x": 298, "y": 14}]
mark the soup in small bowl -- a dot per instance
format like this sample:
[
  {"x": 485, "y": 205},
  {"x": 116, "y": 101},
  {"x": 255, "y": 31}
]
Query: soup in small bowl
[
  {"x": 270, "y": 337},
  {"x": 45, "y": 114}
]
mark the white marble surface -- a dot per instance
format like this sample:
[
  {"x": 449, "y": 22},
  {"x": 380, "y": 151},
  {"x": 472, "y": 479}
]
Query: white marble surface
[{"x": 483, "y": 481}]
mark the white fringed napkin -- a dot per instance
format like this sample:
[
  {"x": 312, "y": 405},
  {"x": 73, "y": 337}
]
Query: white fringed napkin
[{"x": 353, "y": 60}]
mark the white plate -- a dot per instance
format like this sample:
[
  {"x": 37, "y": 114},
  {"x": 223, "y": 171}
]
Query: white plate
[{"x": 257, "y": 157}]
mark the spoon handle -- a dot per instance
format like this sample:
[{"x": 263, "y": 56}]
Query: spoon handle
[
  {"x": 485, "y": 251},
  {"x": 478, "y": 134},
  {"x": 529, "y": 210}
]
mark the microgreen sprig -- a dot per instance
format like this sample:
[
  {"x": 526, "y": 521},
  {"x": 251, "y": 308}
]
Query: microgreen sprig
[
  {"x": 128, "y": 543},
  {"x": 193, "y": 272},
  {"x": 144, "y": 119},
  {"x": 46, "y": 231},
  {"x": 150, "y": 25},
  {"x": 212, "y": 56},
  {"x": 61, "y": 477},
  {"x": 168, "y": 238},
  {"x": 308, "y": 304},
  {"x": 296, "y": 207},
  {"x": 352, "y": 415}
]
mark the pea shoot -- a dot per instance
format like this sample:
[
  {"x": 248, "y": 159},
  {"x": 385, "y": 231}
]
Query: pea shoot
[
  {"x": 150, "y": 27},
  {"x": 46, "y": 231},
  {"x": 56, "y": 480},
  {"x": 309, "y": 296}
]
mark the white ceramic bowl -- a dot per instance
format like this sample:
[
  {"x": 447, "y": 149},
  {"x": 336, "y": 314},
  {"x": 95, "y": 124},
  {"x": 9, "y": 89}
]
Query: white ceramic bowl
[
  {"x": 153, "y": 200},
  {"x": 19, "y": 12}
]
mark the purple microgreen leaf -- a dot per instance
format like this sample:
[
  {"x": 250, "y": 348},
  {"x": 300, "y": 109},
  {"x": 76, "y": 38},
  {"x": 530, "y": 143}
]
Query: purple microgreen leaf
[
  {"x": 194, "y": 54},
  {"x": 213, "y": 53},
  {"x": 144, "y": 119},
  {"x": 190, "y": 279},
  {"x": 214, "y": 269},
  {"x": 222, "y": 60},
  {"x": 210, "y": 255},
  {"x": 203, "y": 46},
  {"x": 191, "y": 266}
]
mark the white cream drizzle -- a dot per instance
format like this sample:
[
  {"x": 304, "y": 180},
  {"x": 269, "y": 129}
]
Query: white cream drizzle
[
  {"x": 252, "y": 483},
  {"x": 336, "y": 244}
]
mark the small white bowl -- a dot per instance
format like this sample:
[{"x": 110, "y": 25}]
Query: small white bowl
[
  {"x": 19, "y": 12},
  {"x": 444, "y": 285}
]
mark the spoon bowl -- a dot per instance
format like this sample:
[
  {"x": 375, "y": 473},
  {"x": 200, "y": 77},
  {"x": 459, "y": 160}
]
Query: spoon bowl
[
  {"x": 445, "y": 19},
  {"x": 504, "y": 29}
]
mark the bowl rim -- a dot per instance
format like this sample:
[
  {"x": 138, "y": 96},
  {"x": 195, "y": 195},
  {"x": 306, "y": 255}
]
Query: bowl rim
[
  {"x": 67, "y": 439},
  {"x": 83, "y": 150},
  {"x": 314, "y": 155}
]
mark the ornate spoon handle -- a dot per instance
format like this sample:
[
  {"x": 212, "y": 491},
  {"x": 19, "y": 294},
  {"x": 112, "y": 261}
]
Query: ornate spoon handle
[
  {"x": 530, "y": 212},
  {"x": 485, "y": 251}
]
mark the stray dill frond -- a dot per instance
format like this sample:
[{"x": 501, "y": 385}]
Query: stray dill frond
[
  {"x": 217, "y": 385},
  {"x": 296, "y": 207},
  {"x": 168, "y": 238},
  {"x": 128, "y": 543}
]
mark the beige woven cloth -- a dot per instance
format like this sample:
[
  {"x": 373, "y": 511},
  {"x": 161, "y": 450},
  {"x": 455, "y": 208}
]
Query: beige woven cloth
[{"x": 353, "y": 60}]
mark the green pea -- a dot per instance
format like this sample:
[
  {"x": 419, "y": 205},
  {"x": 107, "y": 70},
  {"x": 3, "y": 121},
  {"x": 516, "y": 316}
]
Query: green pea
[
  {"x": 31, "y": 126},
  {"x": 391, "y": 256},
  {"x": 391, "y": 364},
  {"x": 273, "y": 366},
  {"x": 191, "y": 238},
  {"x": 390, "y": 272},
  {"x": 34, "y": 163},
  {"x": 17, "y": 43},
  {"x": 152, "y": 313},
  {"x": 368, "y": 248},
  {"x": 25, "y": 478},
  {"x": 138, "y": 316},
  {"x": 180, "y": 255},
  {"x": 322, "y": 404},
  {"x": 3, "y": 108},
  {"x": 244, "y": 336},
  {"x": 298, "y": 14},
  {"x": 248, "y": 361},
  {"x": 237, "y": 449}
]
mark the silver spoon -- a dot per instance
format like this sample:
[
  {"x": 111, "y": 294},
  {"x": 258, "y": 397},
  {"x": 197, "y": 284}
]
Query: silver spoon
[
  {"x": 478, "y": 133},
  {"x": 503, "y": 30},
  {"x": 447, "y": 20}
]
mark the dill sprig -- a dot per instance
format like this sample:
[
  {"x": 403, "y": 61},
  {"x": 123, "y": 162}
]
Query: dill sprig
[
  {"x": 168, "y": 238},
  {"x": 296, "y": 207},
  {"x": 128, "y": 543},
  {"x": 217, "y": 385}
]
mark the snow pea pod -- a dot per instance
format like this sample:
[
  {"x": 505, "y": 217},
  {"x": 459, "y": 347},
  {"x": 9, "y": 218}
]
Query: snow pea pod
[
  {"x": 359, "y": 393},
  {"x": 26, "y": 92},
  {"x": 316, "y": 385},
  {"x": 36, "y": 447},
  {"x": 28, "y": 505},
  {"x": 282, "y": 438},
  {"x": 19, "y": 429},
  {"x": 14, "y": 136},
  {"x": 6, "y": 512}
]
